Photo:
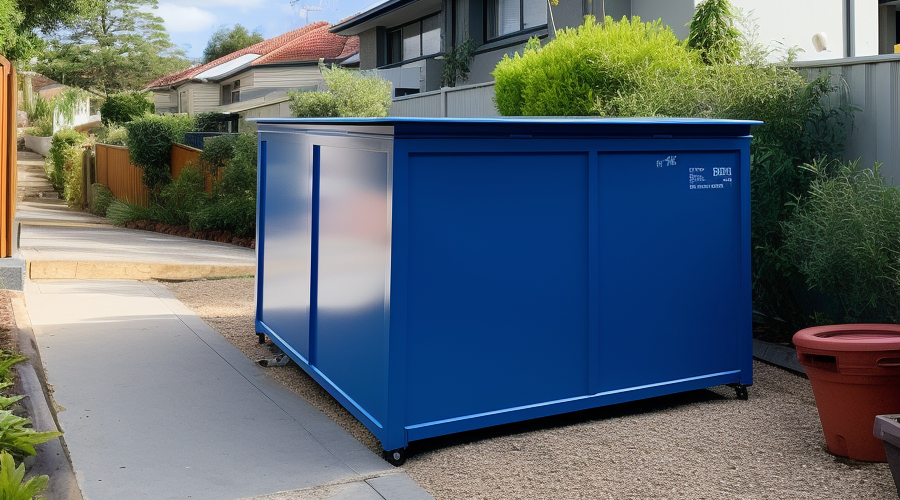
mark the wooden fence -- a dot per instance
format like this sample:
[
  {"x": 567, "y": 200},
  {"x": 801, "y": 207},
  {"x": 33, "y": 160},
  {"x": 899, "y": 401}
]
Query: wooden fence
[
  {"x": 114, "y": 170},
  {"x": 8, "y": 159}
]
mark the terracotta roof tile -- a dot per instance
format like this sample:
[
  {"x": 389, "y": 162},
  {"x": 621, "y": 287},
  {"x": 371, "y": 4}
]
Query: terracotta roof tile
[{"x": 309, "y": 43}]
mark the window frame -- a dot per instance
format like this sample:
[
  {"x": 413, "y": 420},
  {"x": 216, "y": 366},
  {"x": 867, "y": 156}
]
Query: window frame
[
  {"x": 390, "y": 39},
  {"x": 522, "y": 29}
]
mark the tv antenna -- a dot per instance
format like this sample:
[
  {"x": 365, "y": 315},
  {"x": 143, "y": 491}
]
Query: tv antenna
[{"x": 323, "y": 5}]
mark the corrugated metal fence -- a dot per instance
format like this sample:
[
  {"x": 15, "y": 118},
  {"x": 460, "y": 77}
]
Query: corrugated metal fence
[
  {"x": 468, "y": 101},
  {"x": 874, "y": 88},
  {"x": 8, "y": 157}
]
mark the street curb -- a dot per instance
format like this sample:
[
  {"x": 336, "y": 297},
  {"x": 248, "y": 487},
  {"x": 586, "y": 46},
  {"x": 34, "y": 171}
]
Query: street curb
[
  {"x": 778, "y": 355},
  {"x": 62, "y": 269},
  {"x": 52, "y": 457}
]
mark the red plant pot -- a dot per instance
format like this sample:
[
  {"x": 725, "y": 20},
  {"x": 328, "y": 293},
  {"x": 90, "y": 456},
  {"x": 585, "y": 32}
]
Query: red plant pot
[{"x": 855, "y": 375}]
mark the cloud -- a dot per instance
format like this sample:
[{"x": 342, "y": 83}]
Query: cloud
[
  {"x": 180, "y": 19},
  {"x": 243, "y": 5}
]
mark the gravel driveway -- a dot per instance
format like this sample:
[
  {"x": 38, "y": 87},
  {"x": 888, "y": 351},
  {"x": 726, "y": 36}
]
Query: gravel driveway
[{"x": 697, "y": 445}]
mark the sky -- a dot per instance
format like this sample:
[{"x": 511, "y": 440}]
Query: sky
[{"x": 190, "y": 23}]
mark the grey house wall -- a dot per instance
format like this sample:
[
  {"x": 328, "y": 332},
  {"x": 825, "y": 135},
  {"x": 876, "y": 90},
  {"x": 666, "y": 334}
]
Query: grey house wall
[{"x": 873, "y": 84}]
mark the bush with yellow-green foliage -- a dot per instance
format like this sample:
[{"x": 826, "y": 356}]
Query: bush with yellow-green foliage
[{"x": 350, "y": 93}]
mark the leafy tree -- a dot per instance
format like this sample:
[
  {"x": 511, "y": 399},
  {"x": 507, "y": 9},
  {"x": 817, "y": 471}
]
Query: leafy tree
[
  {"x": 225, "y": 41},
  {"x": 125, "y": 106},
  {"x": 116, "y": 45},
  {"x": 19, "y": 19}
]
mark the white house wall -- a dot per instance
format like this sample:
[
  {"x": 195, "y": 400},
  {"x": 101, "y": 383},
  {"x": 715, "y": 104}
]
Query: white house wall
[{"x": 165, "y": 101}]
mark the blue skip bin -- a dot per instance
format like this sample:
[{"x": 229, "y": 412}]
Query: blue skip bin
[{"x": 443, "y": 275}]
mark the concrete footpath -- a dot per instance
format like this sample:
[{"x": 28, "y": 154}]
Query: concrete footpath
[{"x": 155, "y": 404}]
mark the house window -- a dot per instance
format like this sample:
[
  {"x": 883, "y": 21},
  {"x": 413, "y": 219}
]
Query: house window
[
  {"x": 505, "y": 17},
  {"x": 226, "y": 94},
  {"x": 416, "y": 39},
  {"x": 236, "y": 91}
]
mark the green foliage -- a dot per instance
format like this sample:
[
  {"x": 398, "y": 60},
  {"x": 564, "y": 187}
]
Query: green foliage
[
  {"x": 233, "y": 206},
  {"x": 120, "y": 212},
  {"x": 576, "y": 74},
  {"x": 351, "y": 94},
  {"x": 17, "y": 437},
  {"x": 843, "y": 238},
  {"x": 150, "y": 140},
  {"x": 113, "y": 134},
  {"x": 42, "y": 109},
  {"x": 457, "y": 62},
  {"x": 12, "y": 480},
  {"x": 64, "y": 146},
  {"x": 217, "y": 151},
  {"x": 181, "y": 198},
  {"x": 101, "y": 200},
  {"x": 7, "y": 361},
  {"x": 66, "y": 103},
  {"x": 315, "y": 105},
  {"x": 73, "y": 177},
  {"x": 114, "y": 45},
  {"x": 209, "y": 122},
  {"x": 42, "y": 128},
  {"x": 713, "y": 32},
  {"x": 224, "y": 41},
  {"x": 123, "y": 107}
]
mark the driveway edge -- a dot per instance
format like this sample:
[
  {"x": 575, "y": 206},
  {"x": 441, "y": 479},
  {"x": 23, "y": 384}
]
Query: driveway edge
[{"x": 52, "y": 457}]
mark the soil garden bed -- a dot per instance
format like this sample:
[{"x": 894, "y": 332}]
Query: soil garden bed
[{"x": 187, "y": 232}]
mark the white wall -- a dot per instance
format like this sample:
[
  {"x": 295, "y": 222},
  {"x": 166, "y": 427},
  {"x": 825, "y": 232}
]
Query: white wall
[{"x": 786, "y": 23}]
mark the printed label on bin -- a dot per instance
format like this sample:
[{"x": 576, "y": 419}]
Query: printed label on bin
[{"x": 709, "y": 177}]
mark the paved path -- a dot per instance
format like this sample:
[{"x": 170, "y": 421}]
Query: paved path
[
  {"x": 60, "y": 243},
  {"x": 155, "y": 404}
]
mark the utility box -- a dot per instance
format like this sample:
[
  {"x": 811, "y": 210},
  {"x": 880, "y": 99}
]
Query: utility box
[{"x": 442, "y": 275}]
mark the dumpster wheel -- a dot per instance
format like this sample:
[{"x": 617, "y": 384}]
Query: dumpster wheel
[
  {"x": 395, "y": 457},
  {"x": 740, "y": 391},
  {"x": 262, "y": 337}
]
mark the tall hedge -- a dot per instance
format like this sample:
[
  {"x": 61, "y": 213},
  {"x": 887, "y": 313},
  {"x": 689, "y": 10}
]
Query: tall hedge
[{"x": 150, "y": 140}]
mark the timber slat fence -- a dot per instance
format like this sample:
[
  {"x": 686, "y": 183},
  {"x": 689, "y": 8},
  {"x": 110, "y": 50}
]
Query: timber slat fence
[
  {"x": 8, "y": 156},
  {"x": 115, "y": 171}
]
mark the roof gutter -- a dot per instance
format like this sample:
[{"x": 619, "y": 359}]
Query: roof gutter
[{"x": 375, "y": 12}]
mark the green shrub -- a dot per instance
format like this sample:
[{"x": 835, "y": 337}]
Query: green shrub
[
  {"x": 12, "y": 480},
  {"x": 210, "y": 122},
  {"x": 150, "y": 140},
  {"x": 101, "y": 200},
  {"x": 17, "y": 437},
  {"x": 457, "y": 63},
  {"x": 64, "y": 144},
  {"x": 315, "y": 105},
  {"x": 181, "y": 198},
  {"x": 217, "y": 151},
  {"x": 843, "y": 238},
  {"x": 73, "y": 177},
  {"x": 120, "y": 212},
  {"x": 575, "y": 74},
  {"x": 237, "y": 215},
  {"x": 352, "y": 94},
  {"x": 113, "y": 134},
  {"x": 125, "y": 106},
  {"x": 42, "y": 110},
  {"x": 42, "y": 128},
  {"x": 713, "y": 32}
]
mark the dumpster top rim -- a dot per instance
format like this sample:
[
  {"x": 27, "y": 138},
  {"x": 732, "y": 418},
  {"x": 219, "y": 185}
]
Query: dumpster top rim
[
  {"x": 512, "y": 119},
  {"x": 850, "y": 337}
]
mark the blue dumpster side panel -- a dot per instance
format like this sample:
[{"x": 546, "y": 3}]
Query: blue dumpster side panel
[{"x": 506, "y": 244}]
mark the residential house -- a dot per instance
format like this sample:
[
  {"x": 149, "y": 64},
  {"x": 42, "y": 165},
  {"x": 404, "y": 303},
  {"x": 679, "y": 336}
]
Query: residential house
[
  {"x": 257, "y": 76},
  {"x": 403, "y": 36},
  {"x": 80, "y": 114}
]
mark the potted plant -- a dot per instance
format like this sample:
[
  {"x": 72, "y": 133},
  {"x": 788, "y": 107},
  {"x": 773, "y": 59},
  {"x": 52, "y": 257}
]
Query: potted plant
[{"x": 843, "y": 238}]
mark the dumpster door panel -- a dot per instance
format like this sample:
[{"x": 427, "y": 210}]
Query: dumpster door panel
[
  {"x": 286, "y": 250},
  {"x": 498, "y": 281},
  {"x": 670, "y": 260},
  {"x": 353, "y": 261}
]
